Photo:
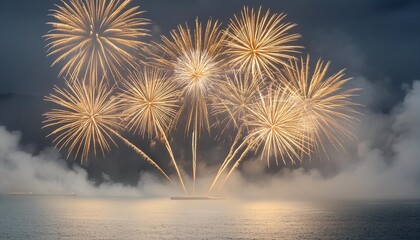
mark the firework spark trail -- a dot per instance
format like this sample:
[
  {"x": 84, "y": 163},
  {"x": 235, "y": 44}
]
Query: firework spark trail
[
  {"x": 194, "y": 154},
  {"x": 235, "y": 95},
  {"x": 236, "y": 165},
  {"x": 141, "y": 153},
  {"x": 231, "y": 150},
  {"x": 84, "y": 119},
  {"x": 227, "y": 162},
  {"x": 327, "y": 106},
  {"x": 96, "y": 37},
  {"x": 258, "y": 42},
  {"x": 194, "y": 59},
  {"x": 149, "y": 101},
  {"x": 171, "y": 154}
]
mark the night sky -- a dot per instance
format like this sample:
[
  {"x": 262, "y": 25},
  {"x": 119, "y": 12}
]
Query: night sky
[
  {"x": 375, "y": 40},
  {"x": 378, "y": 39}
]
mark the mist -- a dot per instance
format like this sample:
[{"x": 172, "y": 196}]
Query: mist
[
  {"x": 48, "y": 173},
  {"x": 382, "y": 163}
]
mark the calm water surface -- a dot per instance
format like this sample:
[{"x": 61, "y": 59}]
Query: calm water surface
[{"x": 87, "y": 218}]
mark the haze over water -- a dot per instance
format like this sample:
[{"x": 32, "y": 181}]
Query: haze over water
[{"x": 30, "y": 217}]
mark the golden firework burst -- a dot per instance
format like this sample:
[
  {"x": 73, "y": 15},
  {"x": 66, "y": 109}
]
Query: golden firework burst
[
  {"x": 326, "y": 102},
  {"x": 202, "y": 70},
  {"x": 95, "y": 37},
  {"x": 149, "y": 101},
  {"x": 237, "y": 91},
  {"x": 194, "y": 58},
  {"x": 259, "y": 42},
  {"x": 85, "y": 118},
  {"x": 275, "y": 125},
  {"x": 150, "y": 104}
]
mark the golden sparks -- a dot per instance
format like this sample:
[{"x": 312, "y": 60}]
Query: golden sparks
[
  {"x": 194, "y": 59},
  {"x": 275, "y": 123},
  {"x": 260, "y": 42},
  {"x": 237, "y": 91},
  {"x": 149, "y": 104},
  {"x": 84, "y": 119},
  {"x": 246, "y": 76},
  {"x": 327, "y": 105},
  {"x": 149, "y": 101},
  {"x": 96, "y": 37}
]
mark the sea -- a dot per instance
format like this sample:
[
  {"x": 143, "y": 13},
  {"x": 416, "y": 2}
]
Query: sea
[{"x": 73, "y": 217}]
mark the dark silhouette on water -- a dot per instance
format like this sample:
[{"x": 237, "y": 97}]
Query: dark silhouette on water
[{"x": 199, "y": 198}]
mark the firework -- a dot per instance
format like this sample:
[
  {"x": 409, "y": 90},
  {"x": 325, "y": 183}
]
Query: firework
[
  {"x": 259, "y": 42},
  {"x": 275, "y": 126},
  {"x": 95, "y": 37},
  {"x": 194, "y": 59},
  {"x": 327, "y": 105},
  {"x": 275, "y": 123},
  {"x": 149, "y": 99},
  {"x": 197, "y": 72},
  {"x": 235, "y": 95},
  {"x": 150, "y": 104},
  {"x": 85, "y": 118}
]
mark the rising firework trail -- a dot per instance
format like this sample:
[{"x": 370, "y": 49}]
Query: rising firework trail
[
  {"x": 95, "y": 37},
  {"x": 85, "y": 118},
  {"x": 237, "y": 92},
  {"x": 327, "y": 105},
  {"x": 193, "y": 56},
  {"x": 150, "y": 103},
  {"x": 259, "y": 42}
]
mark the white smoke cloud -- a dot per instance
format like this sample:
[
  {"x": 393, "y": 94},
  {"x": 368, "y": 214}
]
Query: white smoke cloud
[
  {"x": 46, "y": 173},
  {"x": 384, "y": 162}
]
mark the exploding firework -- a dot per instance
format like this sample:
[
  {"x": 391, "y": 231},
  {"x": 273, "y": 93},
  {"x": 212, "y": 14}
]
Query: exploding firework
[
  {"x": 95, "y": 41},
  {"x": 259, "y": 42},
  {"x": 194, "y": 59},
  {"x": 85, "y": 118},
  {"x": 196, "y": 66},
  {"x": 238, "y": 91},
  {"x": 274, "y": 125},
  {"x": 149, "y": 104},
  {"x": 327, "y": 106},
  {"x": 150, "y": 101},
  {"x": 96, "y": 37}
]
